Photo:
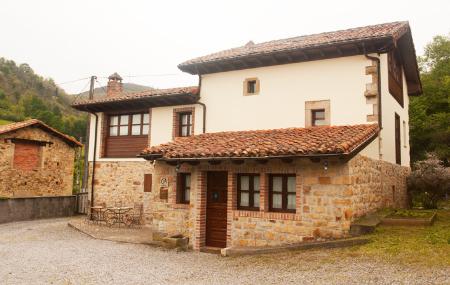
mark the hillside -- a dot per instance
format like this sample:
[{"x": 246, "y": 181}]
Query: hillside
[
  {"x": 127, "y": 88},
  {"x": 24, "y": 94}
]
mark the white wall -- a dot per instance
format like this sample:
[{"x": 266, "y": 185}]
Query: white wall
[
  {"x": 162, "y": 123},
  {"x": 283, "y": 92},
  {"x": 390, "y": 106}
]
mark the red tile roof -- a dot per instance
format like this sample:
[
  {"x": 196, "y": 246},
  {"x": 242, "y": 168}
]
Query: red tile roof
[
  {"x": 191, "y": 90},
  {"x": 393, "y": 30},
  {"x": 33, "y": 122},
  {"x": 311, "y": 141}
]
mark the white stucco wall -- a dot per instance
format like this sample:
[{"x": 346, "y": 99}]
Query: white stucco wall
[
  {"x": 283, "y": 92},
  {"x": 162, "y": 123},
  {"x": 390, "y": 106}
]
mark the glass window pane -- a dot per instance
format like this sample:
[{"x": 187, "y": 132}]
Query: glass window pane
[
  {"x": 291, "y": 184},
  {"x": 146, "y": 118},
  {"x": 276, "y": 201},
  {"x": 145, "y": 129},
  {"x": 187, "y": 180},
  {"x": 256, "y": 200},
  {"x": 113, "y": 131},
  {"x": 245, "y": 182},
  {"x": 184, "y": 131},
  {"x": 114, "y": 120},
  {"x": 136, "y": 119},
  {"x": 277, "y": 183},
  {"x": 291, "y": 202},
  {"x": 187, "y": 194},
  {"x": 184, "y": 119},
  {"x": 124, "y": 130},
  {"x": 124, "y": 120},
  {"x": 136, "y": 130},
  {"x": 244, "y": 199},
  {"x": 256, "y": 183}
]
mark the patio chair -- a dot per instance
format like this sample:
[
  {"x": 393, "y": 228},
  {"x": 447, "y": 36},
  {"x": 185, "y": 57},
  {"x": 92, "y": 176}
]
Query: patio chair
[{"x": 135, "y": 216}]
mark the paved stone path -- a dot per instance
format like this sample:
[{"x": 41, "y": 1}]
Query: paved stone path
[{"x": 50, "y": 252}]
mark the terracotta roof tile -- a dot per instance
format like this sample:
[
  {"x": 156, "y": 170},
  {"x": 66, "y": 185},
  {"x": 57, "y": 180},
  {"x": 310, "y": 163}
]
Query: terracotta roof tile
[
  {"x": 192, "y": 90},
  {"x": 379, "y": 31},
  {"x": 267, "y": 143},
  {"x": 33, "y": 122}
]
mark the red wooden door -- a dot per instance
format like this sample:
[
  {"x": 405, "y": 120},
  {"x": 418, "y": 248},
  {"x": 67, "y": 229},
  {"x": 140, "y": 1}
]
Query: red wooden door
[{"x": 216, "y": 209}]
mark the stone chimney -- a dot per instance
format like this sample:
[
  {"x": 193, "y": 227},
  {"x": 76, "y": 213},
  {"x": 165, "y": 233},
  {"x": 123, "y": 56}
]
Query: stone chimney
[{"x": 115, "y": 87}]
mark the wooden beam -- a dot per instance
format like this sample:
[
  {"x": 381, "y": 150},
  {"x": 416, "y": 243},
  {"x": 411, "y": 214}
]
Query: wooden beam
[
  {"x": 172, "y": 162},
  {"x": 315, "y": 159},
  {"x": 214, "y": 162},
  {"x": 237, "y": 161},
  {"x": 262, "y": 161},
  {"x": 193, "y": 162},
  {"x": 287, "y": 160}
]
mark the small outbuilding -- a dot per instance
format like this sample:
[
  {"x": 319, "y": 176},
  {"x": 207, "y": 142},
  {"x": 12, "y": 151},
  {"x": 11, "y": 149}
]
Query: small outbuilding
[{"x": 35, "y": 160}]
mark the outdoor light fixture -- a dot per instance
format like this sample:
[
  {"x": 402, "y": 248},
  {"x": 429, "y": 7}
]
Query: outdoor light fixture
[
  {"x": 325, "y": 165},
  {"x": 177, "y": 168}
]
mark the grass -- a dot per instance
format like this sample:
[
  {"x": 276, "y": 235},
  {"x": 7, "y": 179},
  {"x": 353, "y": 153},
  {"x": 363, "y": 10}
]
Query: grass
[
  {"x": 405, "y": 213},
  {"x": 4, "y": 122},
  {"x": 428, "y": 245}
]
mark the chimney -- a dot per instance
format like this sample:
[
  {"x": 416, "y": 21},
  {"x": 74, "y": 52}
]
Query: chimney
[{"x": 115, "y": 87}]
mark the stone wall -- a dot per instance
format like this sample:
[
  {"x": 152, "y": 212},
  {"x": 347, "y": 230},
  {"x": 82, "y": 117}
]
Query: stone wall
[
  {"x": 120, "y": 182},
  {"x": 52, "y": 177},
  {"x": 377, "y": 184},
  {"x": 328, "y": 197}
]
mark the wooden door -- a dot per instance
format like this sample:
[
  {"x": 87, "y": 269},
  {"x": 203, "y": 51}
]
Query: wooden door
[{"x": 216, "y": 209}]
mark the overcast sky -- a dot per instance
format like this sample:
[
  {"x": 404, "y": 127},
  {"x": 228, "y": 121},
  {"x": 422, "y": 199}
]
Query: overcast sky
[{"x": 69, "y": 40}]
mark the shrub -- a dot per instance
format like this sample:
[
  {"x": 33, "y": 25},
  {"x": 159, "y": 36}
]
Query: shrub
[{"x": 429, "y": 181}]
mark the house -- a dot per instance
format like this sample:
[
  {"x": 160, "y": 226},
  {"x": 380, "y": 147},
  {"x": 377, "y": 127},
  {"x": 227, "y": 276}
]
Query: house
[
  {"x": 283, "y": 141},
  {"x": 35, "y": 160}
]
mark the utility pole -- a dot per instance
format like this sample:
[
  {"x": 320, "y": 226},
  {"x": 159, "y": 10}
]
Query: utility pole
[{"x": 86, "y": 144}]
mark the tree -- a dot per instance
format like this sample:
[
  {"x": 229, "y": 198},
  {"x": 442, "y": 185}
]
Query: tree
[{"x": 430, "y": 113}]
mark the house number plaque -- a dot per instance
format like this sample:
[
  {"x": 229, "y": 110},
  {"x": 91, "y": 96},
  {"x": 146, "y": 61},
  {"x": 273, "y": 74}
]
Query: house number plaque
[{"x": 164, "y": 182}]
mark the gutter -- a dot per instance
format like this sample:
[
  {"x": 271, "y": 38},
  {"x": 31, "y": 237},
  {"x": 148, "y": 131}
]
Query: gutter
[
  {"x": 202, "y": 104},
  {"x": 94, "y": 155},
  {"x": 377, "y": 60}
]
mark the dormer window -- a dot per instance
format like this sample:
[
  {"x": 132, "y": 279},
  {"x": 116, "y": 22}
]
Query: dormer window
[
  {"x": 318, "y": 117},
  {"x": 251, "y": 86}
]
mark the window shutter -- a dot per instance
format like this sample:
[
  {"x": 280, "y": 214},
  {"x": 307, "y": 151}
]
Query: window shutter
[{"x": 147, "y": 183}]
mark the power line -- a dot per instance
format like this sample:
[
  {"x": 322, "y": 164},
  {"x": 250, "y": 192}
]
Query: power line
[
  {"x": 81, "y": 91},
  {"x": 72, "y": 81}
]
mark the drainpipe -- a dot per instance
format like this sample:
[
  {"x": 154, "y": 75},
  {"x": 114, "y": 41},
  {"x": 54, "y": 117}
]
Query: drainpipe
[
  {"x": 94, "y": 155},
  {"x": 202, "y": 104}
]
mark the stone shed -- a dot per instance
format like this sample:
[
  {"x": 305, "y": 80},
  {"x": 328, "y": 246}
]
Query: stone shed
[{"x": 35, "y": 160}]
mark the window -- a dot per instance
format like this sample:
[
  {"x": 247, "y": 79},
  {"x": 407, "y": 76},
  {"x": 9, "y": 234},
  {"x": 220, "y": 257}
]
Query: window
[
  {"x": 395, "y": 76},
  {"x": 248, "y": 191},
  {"x": 398, "y": 157},
  {"x": 147, "y": 183},
  {"x": 318, "y": 117},
  {"x": 282, "y": 193},
  {"x": 184, "y": 188},
  {"x": 185, "y": 124},
  {"x": 251, "y": 86},
  {"x": 317, "y": 113},
  {"x": 404, "y": 134},
  {"x": 129, "y": 124}
]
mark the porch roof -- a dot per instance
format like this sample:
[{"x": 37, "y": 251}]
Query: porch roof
[{"x": 261, "y": 144}]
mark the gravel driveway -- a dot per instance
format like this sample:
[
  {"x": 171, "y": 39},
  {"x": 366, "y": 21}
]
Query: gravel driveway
[{"x": 49, "y": 252}]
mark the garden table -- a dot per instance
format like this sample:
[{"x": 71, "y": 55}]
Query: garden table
[{"x": 116, "y": 215}]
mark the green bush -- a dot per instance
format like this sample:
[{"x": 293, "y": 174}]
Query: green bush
[{"x": 429, "y": 182}]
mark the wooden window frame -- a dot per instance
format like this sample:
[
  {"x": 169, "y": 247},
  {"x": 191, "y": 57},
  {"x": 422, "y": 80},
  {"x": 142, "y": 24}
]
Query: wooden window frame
[
  {"x": 314, "y": 117},
  {"x": 246, "y": 86},
  {"x": 251, "y": 192},
  {"x": 397, "y": 139},
  {"x": 130, "y": 124},
  {"x": 176, "y": 129},
  {"x": 182, "y": 187},
  {"x": 311, "y": 106},
  {"x": 189, "y": 125},
  {"x": 284, "y": 194}
]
